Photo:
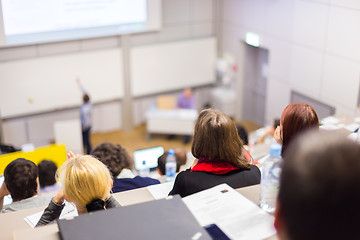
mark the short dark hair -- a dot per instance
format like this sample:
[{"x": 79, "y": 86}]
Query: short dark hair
[
  {"x": 243, "y": 134},
  {"x": 180, "y": 158},
  {"x": 47, "y": 172},
  {"x": 319, "y": 196},
  {"x": 86, "y": 98},
  {"x": 21, "y": 179},
  {"x": 115, "y": 157},
  {"x": 216, "y": 139}
]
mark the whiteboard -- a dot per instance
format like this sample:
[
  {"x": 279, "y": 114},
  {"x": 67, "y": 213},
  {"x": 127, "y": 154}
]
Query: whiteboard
[
  {"x": 49, "y": 83},
  {"x": 172, "y": 66}
]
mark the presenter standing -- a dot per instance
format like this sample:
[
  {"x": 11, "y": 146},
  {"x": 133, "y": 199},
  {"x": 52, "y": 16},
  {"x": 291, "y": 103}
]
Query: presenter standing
[{"x": 86, "y": 118}]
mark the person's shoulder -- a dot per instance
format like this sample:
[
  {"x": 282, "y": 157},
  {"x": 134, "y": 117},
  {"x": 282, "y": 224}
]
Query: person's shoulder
[{"x": 147, "y": 180}]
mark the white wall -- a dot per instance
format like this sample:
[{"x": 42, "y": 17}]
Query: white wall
[
  {"x": 313, "y": 48},
  {"x": 182, "y": 20}
]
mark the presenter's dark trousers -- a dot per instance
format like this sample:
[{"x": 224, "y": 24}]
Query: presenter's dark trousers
[{"x": 86, "y": 139}]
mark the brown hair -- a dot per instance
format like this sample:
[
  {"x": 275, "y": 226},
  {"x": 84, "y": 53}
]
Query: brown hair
[
  {"x": 20, "y": 179},
  {"x": 296, "y": 118},
  {"x": 216, "y": 139},
  {"x": 319, "y": 196},
  {"x": 115, "y": 157}
]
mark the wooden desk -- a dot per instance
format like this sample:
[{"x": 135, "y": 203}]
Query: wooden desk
[{"x": 50, "y": 232}]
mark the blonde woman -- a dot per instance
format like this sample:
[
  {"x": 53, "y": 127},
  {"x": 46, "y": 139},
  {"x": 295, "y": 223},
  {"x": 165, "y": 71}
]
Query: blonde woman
[{"x": 86, "y": 182}]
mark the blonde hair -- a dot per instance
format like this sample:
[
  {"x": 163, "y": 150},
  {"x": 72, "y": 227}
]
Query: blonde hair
[{"x": 84, "y": 178}]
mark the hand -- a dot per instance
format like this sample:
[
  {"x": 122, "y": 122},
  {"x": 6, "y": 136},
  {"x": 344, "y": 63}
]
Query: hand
[
  {"x": 3, "y": 191},
  {"x": 278, "y": 135},
  {"x": 72, "y": 155},
  {"x": 78, "y": 81},
  {"x": 60, "y": 197}
]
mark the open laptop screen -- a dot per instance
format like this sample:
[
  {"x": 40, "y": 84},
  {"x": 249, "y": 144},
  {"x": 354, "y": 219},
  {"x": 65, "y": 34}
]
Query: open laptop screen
[{"x": 147, "y": 157}]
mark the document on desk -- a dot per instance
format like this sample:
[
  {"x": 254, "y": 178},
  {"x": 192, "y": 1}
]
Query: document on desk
[
  {"x": 237, "y": 217},
  {"x": 159, "y": 191},
  {"x": 68, "y": 211}
]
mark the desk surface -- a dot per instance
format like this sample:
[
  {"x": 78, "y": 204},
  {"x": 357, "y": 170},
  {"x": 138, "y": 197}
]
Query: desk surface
[{"x": 13, "y": 225}]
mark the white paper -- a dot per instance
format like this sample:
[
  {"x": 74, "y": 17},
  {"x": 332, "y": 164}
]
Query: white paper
[
  {"x": 238, "y": 217},
  {"x": 330, "y": 120},
  {"x": 160, "y": 191},
  {"x": 352, "y": 127},
  {"x": 69, "y": 211}
]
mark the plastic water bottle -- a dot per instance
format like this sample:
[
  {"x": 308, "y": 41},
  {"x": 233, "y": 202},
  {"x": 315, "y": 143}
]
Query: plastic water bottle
[
  {"x": 170, "y": 166},
  {"x": 270, "y": 179},
  {"x": 144, "y": 171}
]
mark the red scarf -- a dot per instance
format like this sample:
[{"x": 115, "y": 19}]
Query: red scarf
[{"x": 215, "y": 167}]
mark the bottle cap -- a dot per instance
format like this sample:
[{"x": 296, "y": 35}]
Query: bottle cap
[
  {"x": 275, "y": 150},
  {"x": 171, "y": 152}
]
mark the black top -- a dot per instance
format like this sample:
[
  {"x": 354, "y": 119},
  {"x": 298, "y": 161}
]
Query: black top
[{"x": 187, "y": 182}]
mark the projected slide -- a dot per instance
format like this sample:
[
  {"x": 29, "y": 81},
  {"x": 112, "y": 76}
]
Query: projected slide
[
  {"x": 33, "y": 16},
  {"x": 40, "y": 21}
]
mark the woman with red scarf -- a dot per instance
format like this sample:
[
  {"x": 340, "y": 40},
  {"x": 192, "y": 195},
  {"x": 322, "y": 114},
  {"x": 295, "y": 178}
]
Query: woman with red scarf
[{"x": 219, "y": 159}]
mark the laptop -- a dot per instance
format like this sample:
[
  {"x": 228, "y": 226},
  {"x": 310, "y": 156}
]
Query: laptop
[
  {"x": 159, "y": 219},
  {"x": 147, "y": 158}
]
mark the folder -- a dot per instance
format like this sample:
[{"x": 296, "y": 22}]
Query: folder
[{"x": 159, "y": 219}]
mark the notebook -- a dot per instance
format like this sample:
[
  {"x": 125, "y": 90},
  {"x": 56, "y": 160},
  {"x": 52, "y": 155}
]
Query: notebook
[{"x": 159, "y": 219}]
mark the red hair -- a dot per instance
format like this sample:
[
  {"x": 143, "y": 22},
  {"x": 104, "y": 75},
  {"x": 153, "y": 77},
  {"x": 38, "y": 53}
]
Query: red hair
[{"x": 296, "y": 118}]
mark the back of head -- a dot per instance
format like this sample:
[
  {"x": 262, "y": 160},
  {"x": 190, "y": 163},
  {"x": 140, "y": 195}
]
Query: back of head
[
  {"x": 243, "y": 134},
  {"x": 296, "y": 118},
  {"x": 47, "y": 172},
  {"x": 86, "y": 98},
  {"x": 216, "y": 139},
  {"x": 21, "y": 179},
  {"x": 115, "y": 157},
  {"x": 84, "y": 179},
  {"x": 319, "y": 197},
  {"x": 180, "y": 160}
]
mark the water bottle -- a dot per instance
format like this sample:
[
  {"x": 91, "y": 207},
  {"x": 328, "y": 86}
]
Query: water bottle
[
  {"x": 144, "y": 170},
  {"x": 270, "y": 179},
  {"x": 170, "y": 166}
]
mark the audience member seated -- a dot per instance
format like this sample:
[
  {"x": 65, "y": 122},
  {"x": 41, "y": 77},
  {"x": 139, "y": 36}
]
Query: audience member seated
[
  {"x": 243, "y": 134},
  {"x": 180, "y": 156},
  {"x": 296, "y": 118},
  {"x": 319, "y": 189},
  {"x": 47, "y": 172},
  {"x": 86, "y": 183},
  {"x": 21, "y": 182},
  {"x": 218, "y": 150},
  {"x": 270, "y": 131},
  {"x": 120, "y": 164}
]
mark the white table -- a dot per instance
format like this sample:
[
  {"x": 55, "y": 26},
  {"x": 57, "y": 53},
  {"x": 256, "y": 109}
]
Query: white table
[{"x": 176, "y": 121}]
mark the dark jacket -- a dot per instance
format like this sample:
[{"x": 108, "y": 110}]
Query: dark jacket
[{"x": 187, "y": 182}]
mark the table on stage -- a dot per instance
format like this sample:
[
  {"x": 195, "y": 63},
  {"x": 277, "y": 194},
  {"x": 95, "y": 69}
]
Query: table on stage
[
  {"x": 175, "y": 121},
  {"x": 13, "y": 226}
]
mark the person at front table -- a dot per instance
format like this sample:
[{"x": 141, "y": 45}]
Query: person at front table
[
  {"x": 86, "y": 182},
  {"x": 22, "y": 183},
  {"x": 218, "y": 151},
  {"x": 319, "y": 189},
  {"x": 186, "y": 100}
]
